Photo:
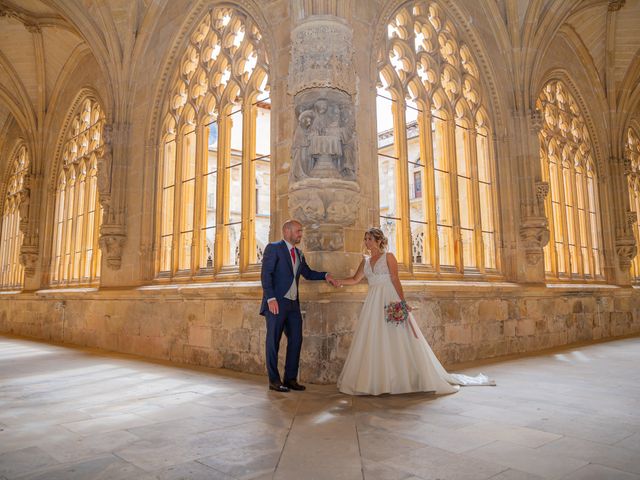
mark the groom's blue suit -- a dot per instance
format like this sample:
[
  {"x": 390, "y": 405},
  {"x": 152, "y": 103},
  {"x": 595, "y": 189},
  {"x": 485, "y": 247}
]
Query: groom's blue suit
[{"x": 277, "y": 277}]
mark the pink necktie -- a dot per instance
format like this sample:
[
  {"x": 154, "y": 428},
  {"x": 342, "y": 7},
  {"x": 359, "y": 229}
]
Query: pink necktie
[{"x": 293, "y": 255}]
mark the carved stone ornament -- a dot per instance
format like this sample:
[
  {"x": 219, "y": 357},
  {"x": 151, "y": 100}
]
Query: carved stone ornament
[
  {"x": 111, "y": 246},
  {"x": 615, "y": 5},
  {"x": 29, "y": 259},
  {"x": 322, "y": 55},
  {"x": 324, "y": 142},
  {"x": 542, "y": 190},
  {"x": 627, "y": 166},
  {"x": 626, "y": 250},
  {"x": 105, "y": 159},
  {"x": 324, "y": 207},
  {"x": 536, "y": 121},
  {"x": 534, "y": 232},
  {"x": 632, "y": 217}
]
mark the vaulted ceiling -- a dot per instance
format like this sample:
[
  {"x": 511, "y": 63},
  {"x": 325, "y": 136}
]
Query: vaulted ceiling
[{"x": 39, "y": 37}]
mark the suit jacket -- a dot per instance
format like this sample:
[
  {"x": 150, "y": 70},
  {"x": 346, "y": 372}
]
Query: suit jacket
[{"x": 277, "y": 272}]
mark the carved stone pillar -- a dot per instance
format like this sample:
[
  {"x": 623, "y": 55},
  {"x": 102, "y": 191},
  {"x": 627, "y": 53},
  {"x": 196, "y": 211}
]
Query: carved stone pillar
[
  {"x": 111, "y": 190},
  {"x": 324, "y": 194},
  {"x": 624, "y": 218},
  {"x": 534, "y": 226},
  {"x": 29, "y": 219}
]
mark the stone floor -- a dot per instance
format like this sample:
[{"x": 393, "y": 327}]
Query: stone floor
[{"x": 71, "y": 414}]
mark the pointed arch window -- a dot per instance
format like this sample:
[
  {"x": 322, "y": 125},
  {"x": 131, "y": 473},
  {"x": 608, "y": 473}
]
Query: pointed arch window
[
  {"x": 632, "y": 155},
  {"x": 12, "y": 272},
  {"x": 435, "y": 154},
  {"x": 213, "y": 207},
  {"x": 572, "y": 206},
  {"x": 78, "y": 214}
]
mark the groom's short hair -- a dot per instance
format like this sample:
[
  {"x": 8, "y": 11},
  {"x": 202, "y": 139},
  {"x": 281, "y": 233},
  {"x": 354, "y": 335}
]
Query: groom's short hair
[{"x": 289, "y": 223}]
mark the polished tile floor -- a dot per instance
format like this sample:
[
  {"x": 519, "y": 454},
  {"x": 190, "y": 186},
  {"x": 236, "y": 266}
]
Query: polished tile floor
[{"x": 70, "y": 414}]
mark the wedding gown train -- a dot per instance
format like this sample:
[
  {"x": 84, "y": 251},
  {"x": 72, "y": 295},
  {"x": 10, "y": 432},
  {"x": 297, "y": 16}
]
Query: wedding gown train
[{"x": 388, "y": 358}]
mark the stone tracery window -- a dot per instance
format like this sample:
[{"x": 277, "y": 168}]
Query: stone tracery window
[
  {"x": 572, "y": 206},
  {"x": 214, "y": 181},
  {"x": 632, "y": 154},
  {"x": 12, "y": 272},
  {"x": 78, "y": 214},
  {"x": 435, "y": 158}
]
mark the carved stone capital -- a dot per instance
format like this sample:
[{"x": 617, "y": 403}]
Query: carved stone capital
[
  {"x": 325, "y": 207},
  {"x": 111, "y": 245},
  {"x": 632, "y": 217},
  {"x": 627, "y": 166},
  {"x": 542, "y": 190},
  {"x": 29, "y": 259},
  {"x": 534, "y": 231},
  {"x": 626, "y": 250},
  {"x": 322, "y": 55},
  {"x": 33, "y": 28}
]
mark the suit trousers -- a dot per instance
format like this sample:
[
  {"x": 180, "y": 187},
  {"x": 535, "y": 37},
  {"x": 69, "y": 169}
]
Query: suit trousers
[{"x": 289, "y": 321}]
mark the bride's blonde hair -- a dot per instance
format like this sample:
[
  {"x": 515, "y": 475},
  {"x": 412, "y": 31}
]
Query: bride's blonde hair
[{"x": 379, "y": 237}]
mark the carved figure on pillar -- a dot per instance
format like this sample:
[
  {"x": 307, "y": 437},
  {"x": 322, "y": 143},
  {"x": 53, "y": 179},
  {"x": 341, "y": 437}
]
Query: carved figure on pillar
[{"x": 323, "y": 193}]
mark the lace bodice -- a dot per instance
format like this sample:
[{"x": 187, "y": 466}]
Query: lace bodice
[{"x": 380, "y": 271}]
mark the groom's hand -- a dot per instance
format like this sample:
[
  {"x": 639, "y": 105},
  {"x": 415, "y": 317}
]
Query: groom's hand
[
  {"x": 331, "y": 280},
  {"x": 273, "y": 306}
]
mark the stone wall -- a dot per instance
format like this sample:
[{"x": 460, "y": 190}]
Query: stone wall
[{"x": 218, "y": 325}]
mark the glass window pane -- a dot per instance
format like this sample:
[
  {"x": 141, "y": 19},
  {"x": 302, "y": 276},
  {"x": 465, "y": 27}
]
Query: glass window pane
[
  {"x": 461, "y": 152},
  {"x": 464, "y": 202},
  {"x": 384, "y": 111},
  {"x": 262, "y": 207},
  {"x": 486, "y": 207},
  {"x": 468, "y": 248},
  {"x": 438, "y": 134},
  {"x": 233, "y": 238},
  {"x": 420, "y": 243},
  {"x": 387, "y": 175},
  {"x": 484, "y": 168},
  {"x": 446, "y": 246},
  {"x": 443, "y": 201},
  {"x": 489, "y": 245},
  {"x": 390, "y": 228}
]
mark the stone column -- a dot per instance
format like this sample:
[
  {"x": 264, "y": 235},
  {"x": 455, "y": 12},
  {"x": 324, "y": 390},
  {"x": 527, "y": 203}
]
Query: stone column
[
  {"x": 29, "y": 219},
  {"x": 324, "y": 194},
  {"x": 534, "y": 226},
  {"x": 624, "y": 219},
  {"x": 111, "y": 191}
]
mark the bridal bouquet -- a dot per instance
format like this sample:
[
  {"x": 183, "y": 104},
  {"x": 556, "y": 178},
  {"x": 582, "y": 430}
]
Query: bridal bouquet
[{"x": 396, "y": 313}]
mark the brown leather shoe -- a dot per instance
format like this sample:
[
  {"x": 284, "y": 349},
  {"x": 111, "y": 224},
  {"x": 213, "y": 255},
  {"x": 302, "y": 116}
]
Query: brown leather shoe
[
  {"x": 294, "y": 385},
  {"x": 278, "y": 387}
]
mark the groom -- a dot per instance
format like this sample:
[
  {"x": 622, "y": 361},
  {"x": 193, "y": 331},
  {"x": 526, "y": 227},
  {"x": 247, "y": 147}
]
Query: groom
[{"x": 282, "y": 265}]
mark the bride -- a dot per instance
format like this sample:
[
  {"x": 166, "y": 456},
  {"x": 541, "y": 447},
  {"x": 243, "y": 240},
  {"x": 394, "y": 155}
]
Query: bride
[{"x": 385, "y": 356}]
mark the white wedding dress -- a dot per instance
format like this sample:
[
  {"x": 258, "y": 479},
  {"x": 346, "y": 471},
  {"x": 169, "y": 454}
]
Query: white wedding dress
[{"x": 389, "y": 358}]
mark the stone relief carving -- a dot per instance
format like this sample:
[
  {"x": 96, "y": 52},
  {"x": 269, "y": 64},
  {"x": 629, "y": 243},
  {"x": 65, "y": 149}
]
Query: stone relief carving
[
  {"x": 324, "y": 141},
  {"x": 542, "y": 190},
  {"x": 111, "y": 246},
  {"x": 632, "y": 217},
  {"x": 322, "y": 55},
  {"x": 29, "y": 260},
  {"x": 534, "y": 232},
  {"x": 626, "y": 250}
]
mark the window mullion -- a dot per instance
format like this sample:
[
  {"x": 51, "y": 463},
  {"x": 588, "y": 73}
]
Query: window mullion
[
  {"x": 452, "y": 164},
  {"x": 177, "y": 201},
  {"x": 247, "y": 236},
  {"x": 224, "y": 181},
  {"x": 472, "y": 146},
  {"x": 403, "y": 232},
  {"x": 199, "y": 197}
]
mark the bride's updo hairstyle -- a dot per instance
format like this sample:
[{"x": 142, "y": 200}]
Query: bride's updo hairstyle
[{"x": 378, "y": 236}]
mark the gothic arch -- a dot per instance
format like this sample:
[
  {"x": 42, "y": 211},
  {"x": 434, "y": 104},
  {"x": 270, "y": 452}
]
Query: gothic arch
[
  {"x": 497, "y": 102},
  {"x": 178, "y": 45},
  {"x": 565, "y": 77}
]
